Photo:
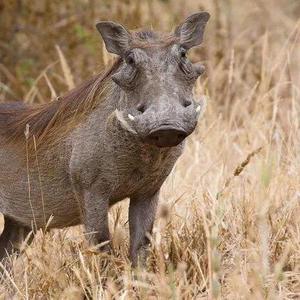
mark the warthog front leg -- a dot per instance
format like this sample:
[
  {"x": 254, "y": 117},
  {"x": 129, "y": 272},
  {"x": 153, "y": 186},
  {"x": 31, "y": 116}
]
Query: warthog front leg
[
  {"x": 11, "y": 238},
  {"x": 142, "y": 212},
  {"x": 95, "y": 213}
]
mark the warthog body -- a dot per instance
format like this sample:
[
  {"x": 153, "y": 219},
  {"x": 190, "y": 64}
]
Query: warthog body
[{"x": 117, "y": 136}]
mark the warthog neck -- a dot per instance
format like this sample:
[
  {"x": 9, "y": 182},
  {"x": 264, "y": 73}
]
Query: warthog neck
[{"x": 105, "y": 152}]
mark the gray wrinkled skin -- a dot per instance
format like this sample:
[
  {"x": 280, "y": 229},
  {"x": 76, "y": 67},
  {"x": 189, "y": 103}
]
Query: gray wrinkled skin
[{"x": 109, "y": 156}]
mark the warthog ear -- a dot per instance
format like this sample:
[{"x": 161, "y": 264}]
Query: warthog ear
[
  {"x": 116, "y": 38},
  {"x": 191, "y": 31}
]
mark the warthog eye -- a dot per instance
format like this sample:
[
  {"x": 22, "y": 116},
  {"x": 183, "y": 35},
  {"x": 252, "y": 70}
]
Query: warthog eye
[
  {"x": 130, "y": 59},
  {"x": 182, "y": 52}
]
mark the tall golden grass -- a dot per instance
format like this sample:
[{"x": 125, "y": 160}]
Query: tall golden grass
[{"x": 228, "y": 224}]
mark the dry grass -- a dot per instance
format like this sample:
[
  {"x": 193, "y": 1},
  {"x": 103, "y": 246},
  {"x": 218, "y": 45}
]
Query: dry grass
[{"x": 228, "y": 226}]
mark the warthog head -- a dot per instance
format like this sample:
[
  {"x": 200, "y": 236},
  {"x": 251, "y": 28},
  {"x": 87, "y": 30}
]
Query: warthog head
[{"x": 157, "y": 79}]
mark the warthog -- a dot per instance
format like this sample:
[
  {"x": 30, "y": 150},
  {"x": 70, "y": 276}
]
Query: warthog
[{"x": 117, "y": 136}]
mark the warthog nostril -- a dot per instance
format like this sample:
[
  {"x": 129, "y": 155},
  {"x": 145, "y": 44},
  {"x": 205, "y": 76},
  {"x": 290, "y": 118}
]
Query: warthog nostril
[
  {"x": 187, "y": 103},
  {"x": 166, "y": 137},
  {"x": 141, "y": 108}
]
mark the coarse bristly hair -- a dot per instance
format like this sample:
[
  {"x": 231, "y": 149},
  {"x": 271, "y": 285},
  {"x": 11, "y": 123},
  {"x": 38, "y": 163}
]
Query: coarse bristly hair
[{"x": 48, "y": 122}]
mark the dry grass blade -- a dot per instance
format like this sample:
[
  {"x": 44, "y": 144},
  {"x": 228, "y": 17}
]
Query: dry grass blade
[
  {"x": 239, "y": 169},
  {"x": 66, "y": 69}
]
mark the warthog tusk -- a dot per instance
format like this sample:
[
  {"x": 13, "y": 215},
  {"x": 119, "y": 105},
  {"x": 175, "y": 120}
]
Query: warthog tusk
[
  {"x": 123, "y": 122},
  {"x": 130, "y": 117},
  {"x": 201, "y": 106}
]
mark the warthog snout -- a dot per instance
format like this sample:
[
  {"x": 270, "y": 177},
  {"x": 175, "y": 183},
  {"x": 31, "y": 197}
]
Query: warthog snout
[
  {"x": 166, "y": 136},
  {"x": 166, "y": 122},
  {"x": 161, "y": 124}
]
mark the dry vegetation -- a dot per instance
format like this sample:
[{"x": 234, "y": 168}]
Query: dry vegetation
[{"x": 229, "y": 222}]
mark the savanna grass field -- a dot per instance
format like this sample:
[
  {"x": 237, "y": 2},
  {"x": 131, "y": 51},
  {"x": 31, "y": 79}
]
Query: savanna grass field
[{"x": 228, "y": 225}]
